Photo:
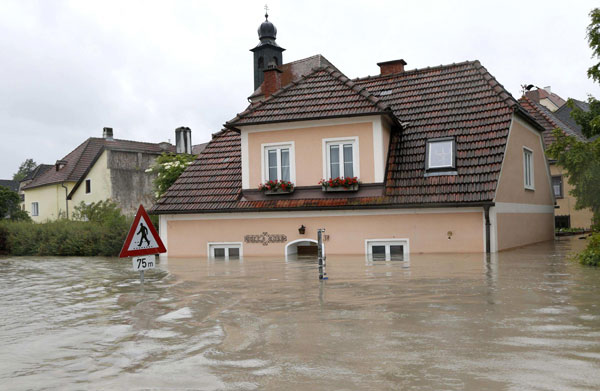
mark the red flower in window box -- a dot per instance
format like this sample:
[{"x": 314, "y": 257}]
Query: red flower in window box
[
  {"x": 340, "y": 184},
  {"x": 276, "y": 187}
]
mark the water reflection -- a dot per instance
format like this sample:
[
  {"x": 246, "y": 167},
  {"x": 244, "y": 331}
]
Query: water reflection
[{"x": 524, "y": 319}]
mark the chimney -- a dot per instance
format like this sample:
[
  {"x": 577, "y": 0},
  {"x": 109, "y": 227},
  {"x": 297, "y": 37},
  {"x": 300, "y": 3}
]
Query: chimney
[
  {"x": 389, "y": 67},
  {"x": 183, "y": 140},
  {"x": 107, "y": 133},
  {"x": 272, "y": 80}
]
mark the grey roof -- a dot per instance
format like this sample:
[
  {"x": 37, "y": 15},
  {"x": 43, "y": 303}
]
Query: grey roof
[
  {"x": 198, "y": 148},
  {"x": 564, "y": 114},
  {"x": 10, "y": 184},
  {"x": 37, "y": 171}
]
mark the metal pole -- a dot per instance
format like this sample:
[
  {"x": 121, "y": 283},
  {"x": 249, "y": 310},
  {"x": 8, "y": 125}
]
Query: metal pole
[
  {"x": 142, "y": 277},
  {"x": 321, "y": 254}
]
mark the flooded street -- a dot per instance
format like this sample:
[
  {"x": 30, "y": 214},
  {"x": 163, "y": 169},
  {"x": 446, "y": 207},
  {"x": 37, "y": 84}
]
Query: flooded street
[{"x": 526, "y": 319}]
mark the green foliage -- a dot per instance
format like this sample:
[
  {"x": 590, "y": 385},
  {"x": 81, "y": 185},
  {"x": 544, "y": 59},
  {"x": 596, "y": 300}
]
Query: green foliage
[
  {"x": 64, "y": 237},
  {"x": 9, "y": 205},
  {"x": 588, "y": 120},
  {"x": 99, "y": 212},
  {"x": 593, "y": 36},
  {"x": 591, "y": 255},
  {"x": 582, "y": 162},
  {"x": 24, "y": 169},
  {"x": 168, "y": 168}
]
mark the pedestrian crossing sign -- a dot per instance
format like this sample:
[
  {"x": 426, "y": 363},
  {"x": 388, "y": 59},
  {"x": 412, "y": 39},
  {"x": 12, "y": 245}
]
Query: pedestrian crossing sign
[{"x": 142, "y": 238}]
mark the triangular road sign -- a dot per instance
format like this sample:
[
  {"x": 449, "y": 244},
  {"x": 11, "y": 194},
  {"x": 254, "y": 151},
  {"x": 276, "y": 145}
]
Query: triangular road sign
[{"x": 142, "y": 238}]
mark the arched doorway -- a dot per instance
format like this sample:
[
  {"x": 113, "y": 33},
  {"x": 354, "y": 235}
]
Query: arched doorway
[{"x": 302, "y": 247}]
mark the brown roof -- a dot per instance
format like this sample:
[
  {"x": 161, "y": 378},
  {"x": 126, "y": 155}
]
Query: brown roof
[
  {"x": 293, "y": 71},
  {"x": 460, "y": 100},
  {"x": 79, "y": 161},
  {"x": 548, "y": 120},
  {"x": 540, "y": 93},
  {"x": 324, "y": 93}
]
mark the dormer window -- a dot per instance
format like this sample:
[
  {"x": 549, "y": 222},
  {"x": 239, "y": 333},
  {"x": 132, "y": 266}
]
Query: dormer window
[
  {"x": 440, "y": 154},
  {"x": 278, "y": 162}
]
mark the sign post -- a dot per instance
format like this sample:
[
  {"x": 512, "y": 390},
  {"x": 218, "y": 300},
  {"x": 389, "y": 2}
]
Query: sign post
[
  {"x": 321, "y": 254},
  {"x": 142, "y": 243}
]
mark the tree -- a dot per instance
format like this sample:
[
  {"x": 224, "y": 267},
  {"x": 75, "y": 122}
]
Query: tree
[
  {"x": 9, "y": 205},
  {"x": 168, "y": 168},
  {"x": 24, "y": 169},
  {"x": 581, "y": 159}
]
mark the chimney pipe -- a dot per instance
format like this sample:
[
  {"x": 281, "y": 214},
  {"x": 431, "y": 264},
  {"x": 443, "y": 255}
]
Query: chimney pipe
[
  {"x": 272, "y": 80},
  {"x": 389, "y": 67},
  {"x": 107, "y": 133},
  {"x": 183, "y": 140}
]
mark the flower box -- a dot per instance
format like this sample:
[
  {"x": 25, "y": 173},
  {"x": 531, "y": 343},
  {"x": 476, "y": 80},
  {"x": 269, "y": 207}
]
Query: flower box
[
  {"x": 279, "y": 191},
  {"x": 339, "y": 184},
  {"x": 277, "y": 187},
  {"x": 329, "y": 189}
]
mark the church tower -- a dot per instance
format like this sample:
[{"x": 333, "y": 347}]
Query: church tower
[{"x": 267, "y": 52}]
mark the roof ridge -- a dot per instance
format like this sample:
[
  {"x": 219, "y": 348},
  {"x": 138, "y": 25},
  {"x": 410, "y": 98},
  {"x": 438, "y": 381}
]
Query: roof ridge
[
  {"x": 498, "y": 88},
  {"x": 362, "y": 91},
  {"x": 411, "y": 71}
]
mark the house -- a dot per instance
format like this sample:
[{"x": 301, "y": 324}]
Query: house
[
  {"x": 10, "y": 184},
  {"x": 447, "y": 159},
  {"x": 566, "y": 214},
  {"x": 545, "y": 97},
  {"x": 99, "y": 169}
]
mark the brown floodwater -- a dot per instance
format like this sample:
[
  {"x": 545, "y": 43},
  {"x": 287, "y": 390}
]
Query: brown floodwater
[{"x": 527, "y": 319}]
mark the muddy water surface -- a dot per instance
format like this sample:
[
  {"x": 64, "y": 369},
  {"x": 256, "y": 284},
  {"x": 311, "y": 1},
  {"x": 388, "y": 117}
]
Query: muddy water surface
[{"x": 524, "y": 319}]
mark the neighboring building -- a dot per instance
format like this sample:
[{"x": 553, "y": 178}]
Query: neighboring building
[
  {"x": 10, "y": 184},
  {"x": 546, "y": 98},
  {"x": 98, "y": 169},
  {"x": 566, "y": 216},
  {"x": 36, "y": 172},
  {"x": 447, "y": 158}
]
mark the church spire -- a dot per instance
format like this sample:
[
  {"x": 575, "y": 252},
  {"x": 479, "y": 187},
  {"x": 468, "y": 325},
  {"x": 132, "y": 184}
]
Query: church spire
[{"x": 267, "y": 53}]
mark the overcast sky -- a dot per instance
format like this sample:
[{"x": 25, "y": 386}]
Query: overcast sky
[{"x": 70, "y": 68}]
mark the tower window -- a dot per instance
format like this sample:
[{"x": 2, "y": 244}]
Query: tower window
[
  {"x": 275, "y": 62},
  {"x": 261, "y": 63}
]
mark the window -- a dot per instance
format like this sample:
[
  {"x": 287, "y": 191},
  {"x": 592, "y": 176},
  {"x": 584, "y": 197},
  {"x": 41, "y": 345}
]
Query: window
[
  {"x": 225, "y": 250},
  {"x": 278, "y": 162},
  {"x": 528, "y": 168},
  {"x": 387, "y": 249},
  {"x": 88, "y": 186},
  {"x": 341, "y": 158},
  {"x": 440, "y": 154},
  {"x": 557, "y": 186},
  {"x": 35, "y": 211}
]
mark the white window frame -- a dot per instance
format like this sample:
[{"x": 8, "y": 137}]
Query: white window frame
[
  {"x": 355, "y": 154},
  {"x": 265, "y": 148},
  {"x": 86, "y": 184},
  {"x": 35, "y": 208},
  {"x": 452, "y": 164},
  {"x": 528, "y": 165},
  {"x": 387, "y": 242},
  {"x": 226, "y": 245}
]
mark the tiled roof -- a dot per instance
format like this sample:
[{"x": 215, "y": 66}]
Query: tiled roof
[
  {"x": 213, "y": 181},
  {"x": 460, "y": 100},
  {"x": 538, "y": 94},
  {"x": 37, "y": 171},
  {"x": 10, "y": 184},
  {"x": 564, "y": 114},
  {"x": 80, "y": 160},
  {"x": 293, "y": 71},
  {"x": 198, "y": 148},
  {"x": 548, "y": 120},
  {"x": 324, "y": 93}
]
